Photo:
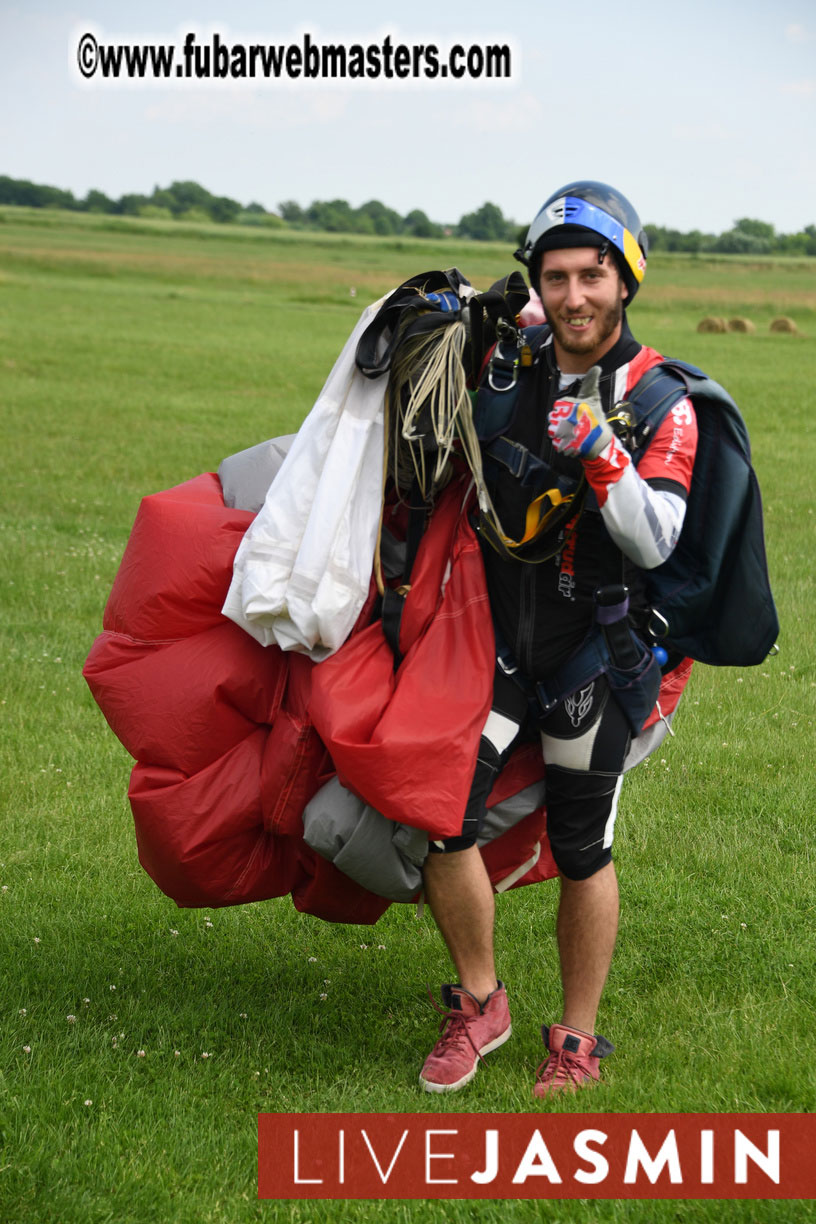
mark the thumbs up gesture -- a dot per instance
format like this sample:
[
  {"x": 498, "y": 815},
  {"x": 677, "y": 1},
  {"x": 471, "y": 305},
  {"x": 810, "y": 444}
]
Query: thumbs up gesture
[{"x": 577, "y": 425}]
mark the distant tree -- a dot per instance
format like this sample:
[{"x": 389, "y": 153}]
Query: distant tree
[
  {"x": 418, "y": 224},
  {"x": 291, "y": 212},
  {"x": 35, "y": 195},
  {"x": 756, "y": 229},
  {"x": 255, "y": 208},
  {"x": 54, "y": 197},
  {"x": 656, "y": 235},
  {"x": 384, "y": 220},
  {"x": 334, "y": 216},
  {"x": 791, "y": 244},
  {"x": 740, "y": 242},
  {"x": 130, "y": 205},
  {"x": 187, "y": 195},
  {"x": 97, "y": 202},
  {"x": 662, "y": 239},
  {"x": 362, "y": 223},
  {"x": 162, "y": 198},
  {"x": 486, "y": 224},
  {"x": 222, "y": 208}
]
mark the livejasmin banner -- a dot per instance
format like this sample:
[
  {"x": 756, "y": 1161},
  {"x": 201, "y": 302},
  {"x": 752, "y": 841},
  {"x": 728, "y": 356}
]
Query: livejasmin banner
[{"x": 535, "y": 1156}]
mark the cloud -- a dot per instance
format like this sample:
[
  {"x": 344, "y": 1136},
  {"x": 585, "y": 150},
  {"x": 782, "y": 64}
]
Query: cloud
[
  {"x": 800, "y": 89},
  {"x": 796, "y": 33}
]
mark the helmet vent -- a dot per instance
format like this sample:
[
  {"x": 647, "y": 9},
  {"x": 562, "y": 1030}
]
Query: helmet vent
[{"x": 563, "y": 210}]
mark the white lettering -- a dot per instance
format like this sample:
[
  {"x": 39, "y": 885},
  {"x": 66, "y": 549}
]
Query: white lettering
[
  {"x": 384, "y": 1176},
  {"x": 668, "y": 1155},
  {"x": 767, "y": 1161},
  {"x": 707, "y": 1157},
  {"x": 488, "y": 1173},
  {"x": 303, "y": 1181},
  {"x": 341, "y": 1157},
  {"x": 599, "y": 1163},
  {"x": 536, "y": 1162},
  {"x": 429, "y": 1156}
]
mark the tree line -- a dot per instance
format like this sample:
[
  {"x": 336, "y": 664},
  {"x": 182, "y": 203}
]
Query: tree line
[
  {"x": 746, "y": 237},
  {"x": 191, "y": 202}
]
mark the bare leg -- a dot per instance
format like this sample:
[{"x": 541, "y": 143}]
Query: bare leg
[
  {"x": 460, "y": 895},
  {"x": 587, "y": 928}
]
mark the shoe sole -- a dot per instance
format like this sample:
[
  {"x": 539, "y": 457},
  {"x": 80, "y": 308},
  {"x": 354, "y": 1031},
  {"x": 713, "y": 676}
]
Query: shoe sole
[{"x": 430, "y": 1086}]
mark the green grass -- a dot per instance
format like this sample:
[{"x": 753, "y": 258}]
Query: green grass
[{"x": 135, "y": 355}]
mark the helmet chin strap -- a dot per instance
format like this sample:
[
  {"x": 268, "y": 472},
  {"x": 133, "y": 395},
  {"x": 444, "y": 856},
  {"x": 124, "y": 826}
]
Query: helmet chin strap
[{"x": 603, "y": 251}]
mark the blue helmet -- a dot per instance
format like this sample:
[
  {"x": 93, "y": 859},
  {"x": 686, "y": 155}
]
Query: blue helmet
[{"x": 587, "y": 213}]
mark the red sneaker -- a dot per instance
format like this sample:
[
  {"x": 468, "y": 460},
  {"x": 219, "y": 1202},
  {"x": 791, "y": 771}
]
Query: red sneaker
[
  {"x": 573, "y": 1062},
  {"x": 469, "y": 1030}
]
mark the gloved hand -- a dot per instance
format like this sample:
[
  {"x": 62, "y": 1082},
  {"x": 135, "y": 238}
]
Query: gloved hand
[{"x": 577, "y": 424}]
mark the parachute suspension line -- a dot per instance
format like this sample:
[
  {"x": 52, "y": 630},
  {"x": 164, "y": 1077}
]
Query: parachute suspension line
[
  {"x": 428, "y": 393},
  {"x": 428, "y": 408}
]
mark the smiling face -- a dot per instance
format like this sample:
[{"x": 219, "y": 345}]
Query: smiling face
[{"x": 583, "y": 301}]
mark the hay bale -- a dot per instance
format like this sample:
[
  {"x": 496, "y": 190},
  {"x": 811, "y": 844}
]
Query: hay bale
[
  {"x": 712, "y": 324},
  {"x": 740, "y": 325},
  {"x": 784, "y": 324}
]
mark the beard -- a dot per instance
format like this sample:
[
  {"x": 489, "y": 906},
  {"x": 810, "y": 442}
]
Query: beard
[{"x": 603, "y": 326}]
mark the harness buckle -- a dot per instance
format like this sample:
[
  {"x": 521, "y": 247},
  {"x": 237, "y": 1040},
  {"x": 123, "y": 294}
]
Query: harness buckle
[
  {"x": 521, "y": 460},
  {"x": 507, "y": 663},
  {"x": 505, "y": 332}
]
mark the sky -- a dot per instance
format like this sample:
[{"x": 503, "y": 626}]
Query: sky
[{"x": 700, "y": 111}]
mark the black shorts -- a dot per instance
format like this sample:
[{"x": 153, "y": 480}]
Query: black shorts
[{"x": 584, "y": 743}]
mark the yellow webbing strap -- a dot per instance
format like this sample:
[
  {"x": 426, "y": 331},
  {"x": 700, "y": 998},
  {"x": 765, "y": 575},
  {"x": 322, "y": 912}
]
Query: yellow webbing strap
[{"x": 539, "y": 514}]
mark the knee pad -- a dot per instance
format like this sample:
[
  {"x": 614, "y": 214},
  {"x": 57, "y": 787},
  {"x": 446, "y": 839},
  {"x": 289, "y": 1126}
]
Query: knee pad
[
  {"x": 579, "y": 864},
  {"x": 581, "y": 811}
]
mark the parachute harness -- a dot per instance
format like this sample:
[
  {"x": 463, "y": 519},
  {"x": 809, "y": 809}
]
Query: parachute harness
[{"x": 428, "y": 335}]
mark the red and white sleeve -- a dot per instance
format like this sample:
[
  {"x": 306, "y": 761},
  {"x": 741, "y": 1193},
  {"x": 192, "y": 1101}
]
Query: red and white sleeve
[{"x": 643, "y": 508}]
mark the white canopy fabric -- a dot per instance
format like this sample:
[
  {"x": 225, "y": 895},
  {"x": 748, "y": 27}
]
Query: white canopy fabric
[{"x": 302, "y": 571}]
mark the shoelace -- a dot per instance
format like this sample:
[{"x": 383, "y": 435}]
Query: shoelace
[
  {"x": 456, "y": 1025},
  {"x": 560, "y": 1068}
]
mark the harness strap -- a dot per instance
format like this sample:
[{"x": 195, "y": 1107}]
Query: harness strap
[
  {"x": 429, "y": 291},
  {"x": 653, "y": 396},
  {"x": 502, "y": 301},
  {"x": 527, "y": 467},
  {"x": 393, "y": 601},
  {"x": 610, "y": 648}
]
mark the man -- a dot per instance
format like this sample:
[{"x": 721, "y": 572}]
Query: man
[{"x": 556, "y": 584}]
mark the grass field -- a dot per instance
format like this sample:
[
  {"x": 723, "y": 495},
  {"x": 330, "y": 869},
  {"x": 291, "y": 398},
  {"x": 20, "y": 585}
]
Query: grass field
[{"x": 134, "y": 355}]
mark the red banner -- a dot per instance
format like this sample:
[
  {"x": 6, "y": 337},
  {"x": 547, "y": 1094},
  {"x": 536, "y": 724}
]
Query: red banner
[{"x": 536, "y": 1156}]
